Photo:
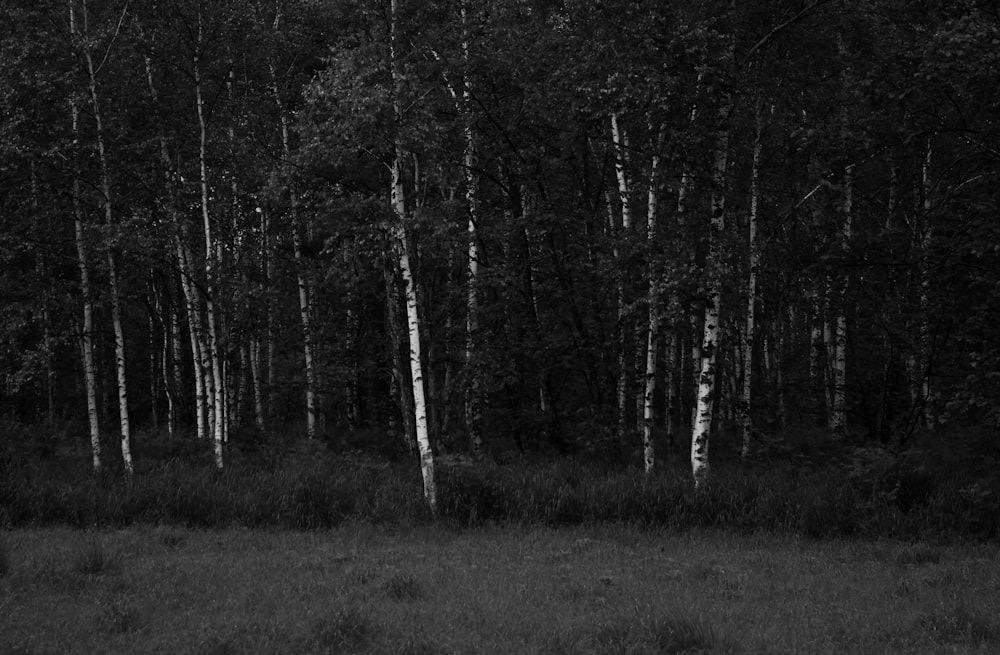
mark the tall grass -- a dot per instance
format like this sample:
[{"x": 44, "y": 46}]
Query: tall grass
[{"x": 320, "y": 490}]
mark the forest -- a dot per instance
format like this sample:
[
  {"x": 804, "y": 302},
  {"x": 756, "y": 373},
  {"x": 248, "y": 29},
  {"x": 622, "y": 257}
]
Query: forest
[{"x": 488, "y": 231}]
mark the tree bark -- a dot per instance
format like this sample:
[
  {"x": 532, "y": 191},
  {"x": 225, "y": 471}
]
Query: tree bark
[
  {"x": 653, "y": 303},
  {"x": 305, "y": 307},
  {"x": 746, "y": 416},
  {"x": 400, "y": 388},
  {"x": 713, "y": 265},
  {"x": 87, "y": 337},
  {"x": 620, "y": 143},
  {"x": 473, "y": 390},
  {"x": 401, "y": 243},
  {"x": 925, "y": 235},
  {"x": 116, "y": 313},
  {"x": 838, "y": 411},
  {"x": 218, "y": 383},
  {"x": 255, "y": 377}
]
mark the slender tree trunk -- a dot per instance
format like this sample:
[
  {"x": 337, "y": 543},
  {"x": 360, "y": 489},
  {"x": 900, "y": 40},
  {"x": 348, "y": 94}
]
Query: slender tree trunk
[
  {"x": 167, "y": 364},
  {"x": 196, "y": 334},
  {"x": 87, "y": 338},
  {"x": 305, "y": 307},
  {"x": 269, "y": 340},
  {"x": 653, "y": 303},
  {"x": 829, "y": 350},
  {"x": 710, "y": 342},
  {"x": 473, "y": 374},
  {"x": 255, "y": 377},
  {"x": 154, "y": 390},
  {"x": 620, "y": 142},
  {"x": 838, "y": 413},
  {"x": 401, "y": 243},
  {"x": 925, "y": 235},
  {"x": 218, "y": 383},
  {"x": 746, "y": 416},
  {"x": 399, "y": 388},
  {"x": 672, "y": 343},
  {"x": 116, "y": 313}
]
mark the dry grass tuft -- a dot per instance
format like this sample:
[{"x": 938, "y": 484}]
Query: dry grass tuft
[
  {"x": 403, "y": 587},
  {"x": 92, "y": 558}
]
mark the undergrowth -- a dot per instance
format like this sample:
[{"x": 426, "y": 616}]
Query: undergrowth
[{"x": 308, "y": 487}]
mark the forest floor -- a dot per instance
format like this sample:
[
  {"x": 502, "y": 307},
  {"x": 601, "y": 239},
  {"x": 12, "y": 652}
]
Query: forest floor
[{"x": 429, "y": 590}]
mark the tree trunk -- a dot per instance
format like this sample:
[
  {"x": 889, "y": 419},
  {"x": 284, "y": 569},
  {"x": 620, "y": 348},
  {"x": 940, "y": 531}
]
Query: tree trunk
[
  {"x": 925, "y": 235},
  {"x": 218, "y": 382},
  {"x": 116, "y": 313},
  {"x": 399, "y": 387},
  {"x": 154, "y": 390},
  {"x": 305, "y": 307},
  {"x": 255, "y": 377},
  {"x": 87, "y": 338},
  {"x": 401, "y": 242},
  {"x": 473, "y": 373},
  {"x": 710, "y": 342},
  {"x": 838, "y": 411},
  {"x": 746, "y": 417},
  {"x": 620, "y": 142},
  {"x": 653, "y": 302},
  {"x": 168, "y": 363}
]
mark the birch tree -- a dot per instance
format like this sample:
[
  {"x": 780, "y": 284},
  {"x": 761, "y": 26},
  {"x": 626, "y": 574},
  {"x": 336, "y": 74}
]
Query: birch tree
[
  {"x": 87, "y": 335},
  {"x": 402, "y": 247},
  {"x": 653, "y": 302},
  {"x": 105, "y": 187},
  {"x": 218, "y": 382},
  {"x": 620, "y": 143},
  {"x": 713, "y": 271}
]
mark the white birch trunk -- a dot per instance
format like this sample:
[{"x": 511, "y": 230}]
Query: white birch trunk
[
  {"x": 653, "y": 301},
  {"x": 398, "y": 199},
  {"x": 116, "y": 315},
  {"x": 218, "y": 383},
  {"x": 686, "y": 186},
  {"x": 87, "y": 339},
  {"x": 710, "y": 342},
  {"x": 195, "y": 332},
  {"x": 746, "y": 418}
]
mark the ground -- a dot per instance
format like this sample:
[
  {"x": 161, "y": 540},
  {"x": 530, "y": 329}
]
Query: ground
[{"x": 431, "y": 589}]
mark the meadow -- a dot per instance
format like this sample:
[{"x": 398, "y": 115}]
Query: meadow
[
  {"x": 307, "y": 548},
  {"x": 431, "y": 589}
]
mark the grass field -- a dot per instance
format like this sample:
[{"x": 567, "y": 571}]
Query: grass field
[{"x": 429, "y": 590}]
